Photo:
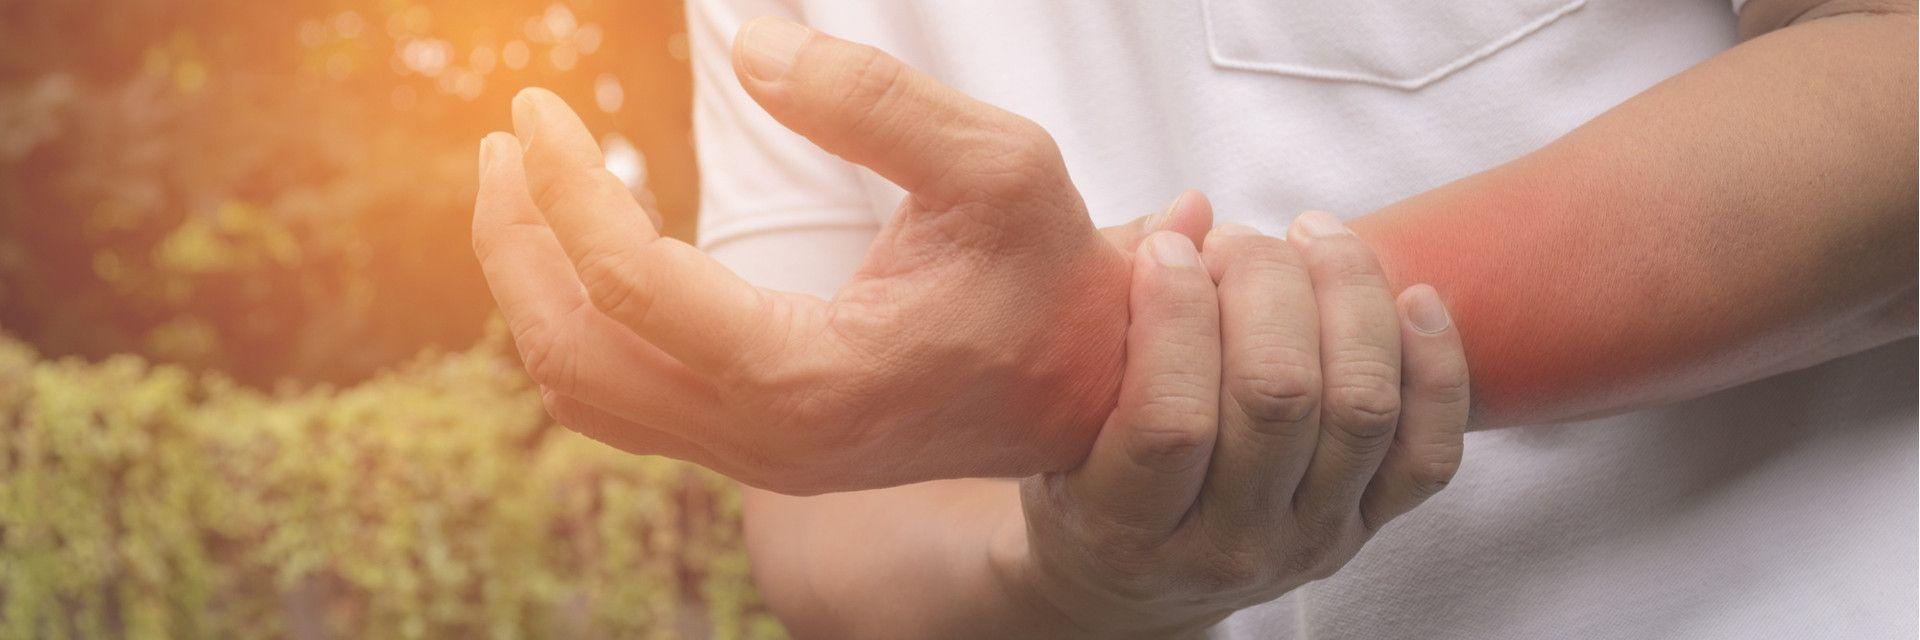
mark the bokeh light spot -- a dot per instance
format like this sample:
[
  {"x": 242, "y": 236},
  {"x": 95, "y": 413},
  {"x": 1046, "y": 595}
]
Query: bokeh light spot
[
  {"x": 608, "y": 94},
  {"x": 349, "y": 24},
  {"x": 559, "y": 21},
  {"x": 482, "y": 59},
  {"x": 563, "y": 57},
  {"x": 515, "y": 55},
  {"x": 588, "y": 38},
  {"x": 624, "y": 161}
]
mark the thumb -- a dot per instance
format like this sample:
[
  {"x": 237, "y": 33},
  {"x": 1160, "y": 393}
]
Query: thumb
[
  {"x": 1150, "y": 459},
  {"x": 863, "y": 105}
]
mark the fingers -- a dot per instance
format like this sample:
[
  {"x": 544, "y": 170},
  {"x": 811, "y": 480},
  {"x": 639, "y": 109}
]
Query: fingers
[
  {"x": 1427, "y": 447},
  {"x": 1270, "y": 385},
  {"x": 1149, "y": 460},
  {"x": 1190, "y": 215},
  {"x": 567, "y": 345},
  {"x": 1359, "y": 367},
  {"x": 534, "y": 290},
  {"x": 676, "y": 297},
  {"x": 859, "y": 103}
]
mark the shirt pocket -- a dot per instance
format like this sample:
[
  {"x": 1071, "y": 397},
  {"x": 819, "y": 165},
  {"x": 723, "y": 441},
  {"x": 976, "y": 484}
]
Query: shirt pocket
[{"x": 1405, "y": 44}]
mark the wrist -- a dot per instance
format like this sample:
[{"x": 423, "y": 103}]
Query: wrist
[
  {"x": 1042, "y": 602},
  {"x": 1034, "y": 602},
  {"x": 1080, "y": 363}
]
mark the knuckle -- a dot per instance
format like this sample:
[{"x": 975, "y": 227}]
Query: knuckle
[
  {"x": 876, "y": 72},
  {"x": 878, "y": 81},
  {"x": 1432, "y": 475},
  {"x": 1167, "y": 449},
  {"x": 576, "y": 189},
  {"x": 1446, "y": 381},
  {"x": 1177, "y": 396},
  {"x": 1170, "y": 432},
  {"x": 1364, "y": 384},
  {"x": 1179, "y": 299},
  {"x": 1187, "y": 316},
  {"x": 1026, "y": 140},
  {"x": 549, "y": 364},
  {"x": 557, "y": 410},
  {"x": 866, "y": 102},
  {"x": 1281, "y": 388},
  {"x": 609, "y": 271},
  {"x": 1364, "y": 403},
  {"x": 1021, "y": 161},
  {"x": 1350, "y": 263},
  {"x": 1265, "y": 253},
  {"x": 485, "y": 243}
]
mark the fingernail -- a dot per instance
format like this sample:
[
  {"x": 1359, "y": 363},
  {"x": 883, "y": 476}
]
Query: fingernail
[
  {"x": 1174, "y": 250},
  {"x": 1425, "y": 311},
  {"x": 486, "y": 154},
  {"x": 768, "y": 46},
  {"x": 1235, "y": 229},
  {"x": 1320, "y": 224},
  {"x": 1159, "y": 220}
]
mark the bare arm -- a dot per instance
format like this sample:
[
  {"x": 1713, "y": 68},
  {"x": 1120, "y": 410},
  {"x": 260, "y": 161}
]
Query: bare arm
[
  {"x": 909, "y": 561},
  {"x": 1752, "y": 215},
  {"x": 891, "y": 563}
]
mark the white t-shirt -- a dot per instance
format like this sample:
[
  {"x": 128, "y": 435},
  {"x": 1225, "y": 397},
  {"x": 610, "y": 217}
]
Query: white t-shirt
[{"x": 1784, "y": 508}]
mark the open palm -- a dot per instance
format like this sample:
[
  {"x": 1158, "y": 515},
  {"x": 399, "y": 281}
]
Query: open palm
[{"x": 982, "y": 336}]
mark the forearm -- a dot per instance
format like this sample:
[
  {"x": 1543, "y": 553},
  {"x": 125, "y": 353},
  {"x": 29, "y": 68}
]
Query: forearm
[
  {"x": 907, "y": 562},
  {"x": 1749, "y": 216}
]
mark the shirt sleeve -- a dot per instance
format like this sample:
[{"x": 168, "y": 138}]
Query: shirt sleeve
[
  {"x": 773, "y": 207},
  {"x": 1738, "y": 5}
]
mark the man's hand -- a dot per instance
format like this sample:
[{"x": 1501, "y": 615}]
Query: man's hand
[
  {"x": 984, "y": 335},
  {"x": 1263, "y": 435}
]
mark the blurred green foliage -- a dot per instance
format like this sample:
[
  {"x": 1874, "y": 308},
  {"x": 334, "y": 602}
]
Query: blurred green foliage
[
  {"x": 283, "y": 190},
  {"x": 434, "y": 501},
  {"x": 272, "y": 200}
]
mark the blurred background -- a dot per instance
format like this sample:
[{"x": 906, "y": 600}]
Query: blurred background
[{"x": 250, "y": 385}]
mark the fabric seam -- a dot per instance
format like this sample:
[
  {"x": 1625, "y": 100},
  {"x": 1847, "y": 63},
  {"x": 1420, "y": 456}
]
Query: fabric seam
[{"x": 1406, "y": 84}]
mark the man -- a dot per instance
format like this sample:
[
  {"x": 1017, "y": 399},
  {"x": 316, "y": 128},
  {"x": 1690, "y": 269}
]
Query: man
[{"x": 1750, "y": 216}]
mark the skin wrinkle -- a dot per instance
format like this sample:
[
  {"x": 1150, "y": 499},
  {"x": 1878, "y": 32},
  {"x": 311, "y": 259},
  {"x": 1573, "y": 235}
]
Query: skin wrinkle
[
  {"x": 1585, "y": 329},
  {"x": 1530, "y": 260},
  {"x": 994, "y": 244},
  {"x": 878, "y": 91},
  {"x": 1073, "y": 374}
]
